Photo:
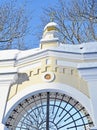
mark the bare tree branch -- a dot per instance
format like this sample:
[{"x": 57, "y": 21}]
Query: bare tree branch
[
  {"x": 77, "y": 20},
  {"x": 13, "y": 25}
]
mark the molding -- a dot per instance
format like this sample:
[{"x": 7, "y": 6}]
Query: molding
[
  {"x": 76, "y": 58},
  {"x": 34, "y": 89},
  {"x": 29, "y": 67},
  {"x": 88, "y": 74},
  {"x": 7, "y": 63},
  {"x": 48, "y": 41}
]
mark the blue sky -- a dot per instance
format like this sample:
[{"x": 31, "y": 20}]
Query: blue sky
[{"x": 34, "y": 10}]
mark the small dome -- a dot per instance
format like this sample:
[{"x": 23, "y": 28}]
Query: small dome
[
  {"x": 51, "y": 26},
  {"x": 50, "y": 37}
]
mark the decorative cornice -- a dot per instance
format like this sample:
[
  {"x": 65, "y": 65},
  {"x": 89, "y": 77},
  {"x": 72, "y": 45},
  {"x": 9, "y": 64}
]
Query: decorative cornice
[{"x": 88, "y": 74}]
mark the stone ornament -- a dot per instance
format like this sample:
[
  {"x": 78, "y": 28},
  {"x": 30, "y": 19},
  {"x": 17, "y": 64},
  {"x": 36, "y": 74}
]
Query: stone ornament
[{"x": 48, "y": 76}]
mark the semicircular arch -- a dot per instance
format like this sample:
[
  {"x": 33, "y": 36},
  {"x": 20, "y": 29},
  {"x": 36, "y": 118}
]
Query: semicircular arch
[{"x": 52, "y": 87}]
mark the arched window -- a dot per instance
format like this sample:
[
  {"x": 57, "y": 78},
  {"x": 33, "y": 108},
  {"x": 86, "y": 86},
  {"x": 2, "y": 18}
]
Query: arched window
[{"x": 49, "y": 111}]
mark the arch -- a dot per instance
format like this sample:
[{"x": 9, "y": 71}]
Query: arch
[
  {"x": 51, "y": 87},
  {"x": 49, "y": 110}
]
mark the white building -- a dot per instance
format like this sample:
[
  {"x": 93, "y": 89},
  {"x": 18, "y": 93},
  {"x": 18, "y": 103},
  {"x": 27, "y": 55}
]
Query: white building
[{"x": 53, "y": 87}]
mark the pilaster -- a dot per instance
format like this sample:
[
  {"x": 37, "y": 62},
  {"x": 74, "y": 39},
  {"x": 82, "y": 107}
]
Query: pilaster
[
  {"x": 6, "y": 79},
  {"x": 93, "y": 95},
  {"x": 90, "y": 76}
]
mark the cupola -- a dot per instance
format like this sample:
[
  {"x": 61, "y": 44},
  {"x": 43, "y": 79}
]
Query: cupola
[{"x": 50, "y": 36}]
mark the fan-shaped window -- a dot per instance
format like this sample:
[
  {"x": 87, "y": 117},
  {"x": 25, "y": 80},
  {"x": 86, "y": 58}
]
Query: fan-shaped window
[{"x": 49, "y": 111}]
